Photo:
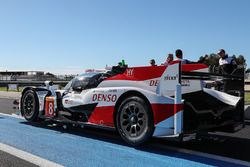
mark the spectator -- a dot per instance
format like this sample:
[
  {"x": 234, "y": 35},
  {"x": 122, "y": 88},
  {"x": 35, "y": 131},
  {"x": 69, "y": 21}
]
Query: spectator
[
  {"x": 119, "y": 64},
  {"x": 169, "y": 59},
  {"x": 179, "y": 56},
  {"x": 226, "y": 64},
  {"x": 152, "y": 62},
  {"x": 204, "y": 59}
]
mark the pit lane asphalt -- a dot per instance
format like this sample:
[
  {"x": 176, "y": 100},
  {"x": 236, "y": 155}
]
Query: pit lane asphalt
[
  {"x": 6, "y": 106},
  {"x": 235, "y": 146},
  {"x": 8, "y": 160}
]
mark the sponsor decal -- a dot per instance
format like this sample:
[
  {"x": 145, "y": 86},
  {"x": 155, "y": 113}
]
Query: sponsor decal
[
  {"x": 98, "y": 91},
  {"x": 130, "y": 72},
  {"x": 153, "y": 82},
  {"x": 113, "y": 90},
  {"x": 185, "y": 82},
  {"x": 67, "y": 101},
  {"x": 104, "y": 97},
  {"x": 171, "y": 77}
]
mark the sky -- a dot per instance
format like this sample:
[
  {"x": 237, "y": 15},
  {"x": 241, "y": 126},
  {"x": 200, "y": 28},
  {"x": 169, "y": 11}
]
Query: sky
[{"x": 69, "y": 36}]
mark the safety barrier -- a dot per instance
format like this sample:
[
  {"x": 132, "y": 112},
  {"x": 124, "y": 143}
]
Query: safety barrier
[{"x": 14, "y": 85}]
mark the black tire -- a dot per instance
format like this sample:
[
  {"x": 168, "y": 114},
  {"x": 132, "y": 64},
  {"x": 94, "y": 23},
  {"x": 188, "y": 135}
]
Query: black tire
[
  {"x": 30, "y": 106},
  {"x": 134, "y": 121}
]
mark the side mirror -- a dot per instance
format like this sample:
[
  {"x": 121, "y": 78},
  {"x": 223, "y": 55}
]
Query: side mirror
[{"x": 48, "y": 84}]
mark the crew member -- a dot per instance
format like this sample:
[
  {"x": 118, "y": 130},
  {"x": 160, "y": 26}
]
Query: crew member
[
  {"x": 152, "y": 62},
  {"x": 226, "y": 64},
  {"x": 170, "y": 58},
  {"x": 179, "y": 56}
]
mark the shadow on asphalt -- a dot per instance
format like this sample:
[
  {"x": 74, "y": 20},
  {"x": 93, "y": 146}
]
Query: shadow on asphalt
[{"x": 232, "y": 147}]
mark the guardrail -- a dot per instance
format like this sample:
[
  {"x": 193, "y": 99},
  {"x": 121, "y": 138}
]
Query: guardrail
[{"x": 14, "y": 85}]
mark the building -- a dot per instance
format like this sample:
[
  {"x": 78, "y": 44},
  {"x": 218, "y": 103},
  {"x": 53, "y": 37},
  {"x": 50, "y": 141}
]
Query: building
[{"x": 20, "y": 75}]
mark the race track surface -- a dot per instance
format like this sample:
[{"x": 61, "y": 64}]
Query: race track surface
[
  {"x": 91, "y": 147},
  {"x": 95, "y": 147}
]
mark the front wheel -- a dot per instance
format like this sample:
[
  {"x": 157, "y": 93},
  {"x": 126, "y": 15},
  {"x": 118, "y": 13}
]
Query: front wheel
[
  {"x": 30, "y": 106},
  {"x": 134, "y": 121}
]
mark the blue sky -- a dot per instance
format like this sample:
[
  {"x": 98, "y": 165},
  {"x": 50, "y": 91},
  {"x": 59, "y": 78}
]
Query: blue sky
[{"x": 68, "y": 36}]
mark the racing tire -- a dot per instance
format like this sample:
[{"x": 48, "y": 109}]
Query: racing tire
[
  {"x": 30, "y": 106},
  {"x": 134, "y": 121}
]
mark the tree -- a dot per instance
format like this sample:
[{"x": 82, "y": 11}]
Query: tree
[
  {"x": 213, "y": 60},
  {"x": 240, "y": 60}
]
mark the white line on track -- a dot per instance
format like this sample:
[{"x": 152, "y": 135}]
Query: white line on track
[
  {"x": 12, "y": 115},
  {"x": 27, "y": 156}
]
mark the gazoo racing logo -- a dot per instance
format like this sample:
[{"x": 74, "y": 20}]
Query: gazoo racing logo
[
  {"x": 171, "y": 77},
  {"x": 130, "y": 72},
  {"x": 104, "y": 97}
]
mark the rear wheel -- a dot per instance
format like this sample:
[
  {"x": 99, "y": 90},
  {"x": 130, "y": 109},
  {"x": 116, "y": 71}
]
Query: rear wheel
[
  {"x": 30, "y": 106},
  {"x": 134, "y": 121}
]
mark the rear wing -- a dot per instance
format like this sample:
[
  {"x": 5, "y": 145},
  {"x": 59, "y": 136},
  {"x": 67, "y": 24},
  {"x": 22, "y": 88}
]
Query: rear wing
[
  {"x": 229, "y": 83},
  {"x": 192, "y": 81},
  {"x": 178, "y": 83},
  {"x": 210, "y": 76}
]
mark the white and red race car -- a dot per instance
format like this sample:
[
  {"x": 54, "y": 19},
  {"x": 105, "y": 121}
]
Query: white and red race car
[{"x": 141, "y": 102}]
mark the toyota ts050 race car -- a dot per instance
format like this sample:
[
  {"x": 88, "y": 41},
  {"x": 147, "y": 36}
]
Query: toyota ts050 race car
[{"x": 141, "y": 102}]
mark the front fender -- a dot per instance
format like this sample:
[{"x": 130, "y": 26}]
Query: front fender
[{"x": 41, "y": 94}]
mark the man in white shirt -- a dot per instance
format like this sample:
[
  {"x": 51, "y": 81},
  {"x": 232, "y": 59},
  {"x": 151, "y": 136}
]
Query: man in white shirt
[{"x": 227, "y": 64}]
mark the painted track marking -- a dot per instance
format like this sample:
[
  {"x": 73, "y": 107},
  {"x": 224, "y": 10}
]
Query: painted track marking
[{"x": 27, "y": 156}]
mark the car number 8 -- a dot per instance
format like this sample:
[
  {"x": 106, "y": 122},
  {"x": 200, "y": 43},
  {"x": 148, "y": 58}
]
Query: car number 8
[{"x": 51, "y": 110}]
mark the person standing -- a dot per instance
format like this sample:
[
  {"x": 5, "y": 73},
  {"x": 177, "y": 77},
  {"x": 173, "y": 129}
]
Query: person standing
[
  {"x": 179, "y": 56},
  {"x": 170, "y": 58},
  {"x": 226, "y": 64},
  {"x": 152, "y": 62}
]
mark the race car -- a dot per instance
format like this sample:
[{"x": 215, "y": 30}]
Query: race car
[{"x": 174, "y": 101}]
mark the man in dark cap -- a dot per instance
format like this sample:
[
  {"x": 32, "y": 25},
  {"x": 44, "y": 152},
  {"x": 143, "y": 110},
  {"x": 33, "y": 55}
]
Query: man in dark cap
[
  {"x": 179, "y": 56},
  {"x": 227, "y": 64},
  {"x": 152, "y": 62}
]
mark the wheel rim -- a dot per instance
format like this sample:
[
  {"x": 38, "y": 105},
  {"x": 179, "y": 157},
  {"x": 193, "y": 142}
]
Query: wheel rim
[
  {"x": 133, "y": 119},
  {"x": 29, "y": 105}
]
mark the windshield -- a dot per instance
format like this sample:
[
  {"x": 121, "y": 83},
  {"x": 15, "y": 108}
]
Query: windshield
[
  {"x": 83, "y": 81},
  {"x": 67, "y": 87}
]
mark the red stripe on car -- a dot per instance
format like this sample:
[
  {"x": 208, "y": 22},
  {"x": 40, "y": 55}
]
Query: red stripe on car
[
  {"x": 151, "y": 72},
  {"x": 104, "y": 115},
  {"x": 164, "y": 111}
]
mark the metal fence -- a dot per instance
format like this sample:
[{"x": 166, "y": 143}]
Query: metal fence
[{"x": 15, "y": 85}]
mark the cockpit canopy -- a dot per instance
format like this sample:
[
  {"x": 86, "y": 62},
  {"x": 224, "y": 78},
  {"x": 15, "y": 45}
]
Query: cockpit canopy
[{"x": 83, "y": 81}]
